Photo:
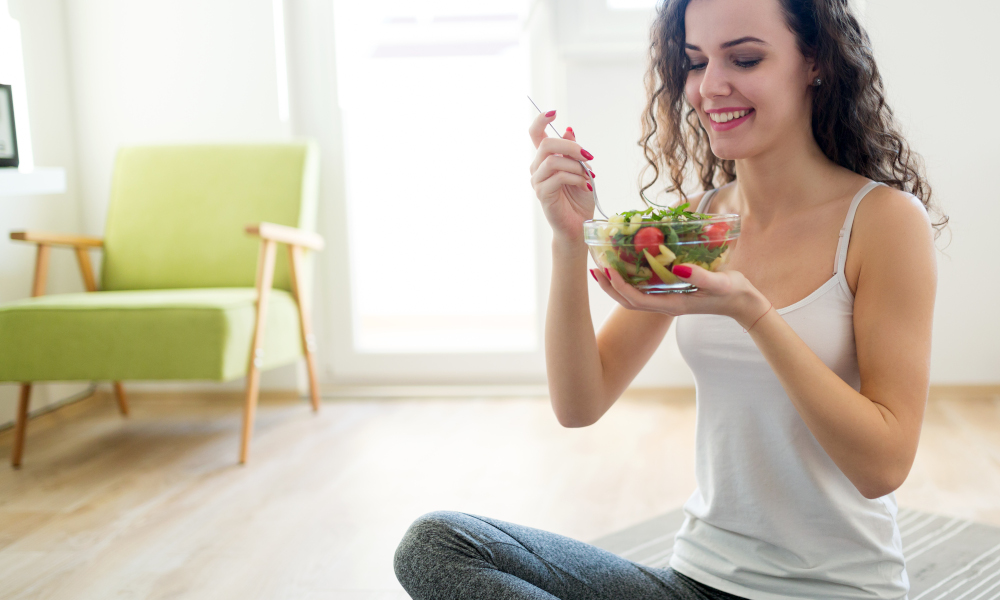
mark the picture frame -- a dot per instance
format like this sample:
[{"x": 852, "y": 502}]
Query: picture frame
[{"x": 8, "y": 132}]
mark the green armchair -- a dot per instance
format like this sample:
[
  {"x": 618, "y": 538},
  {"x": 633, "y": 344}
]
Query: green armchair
[{"x": 203, "y": 278}]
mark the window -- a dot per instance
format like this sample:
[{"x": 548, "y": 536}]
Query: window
[{"x": 440, "y": 211}]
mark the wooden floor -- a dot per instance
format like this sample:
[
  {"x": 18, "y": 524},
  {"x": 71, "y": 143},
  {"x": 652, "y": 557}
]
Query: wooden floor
[{"x": 155, "y": 506}]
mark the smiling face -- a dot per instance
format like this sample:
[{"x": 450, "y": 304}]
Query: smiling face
[{"x": 748, "y": 82}]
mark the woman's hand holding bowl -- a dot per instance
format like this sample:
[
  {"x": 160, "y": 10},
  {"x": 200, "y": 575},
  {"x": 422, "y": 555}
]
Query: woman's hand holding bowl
[{"x": 726, "y": 293}]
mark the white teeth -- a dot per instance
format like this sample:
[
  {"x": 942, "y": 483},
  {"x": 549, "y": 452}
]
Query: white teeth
[{"x": 728, "y": 116}]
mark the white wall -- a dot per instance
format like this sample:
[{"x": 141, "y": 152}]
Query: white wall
[
  {"x": 43, "y": 40},
  {"x": 167, "y": 71},
  {"x": 936, "y": 64}
]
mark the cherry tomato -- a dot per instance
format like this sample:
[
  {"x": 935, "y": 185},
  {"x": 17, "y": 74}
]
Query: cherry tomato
[
  {"x": 716, "y": 234},
  {"x": 648, "y": 238}
]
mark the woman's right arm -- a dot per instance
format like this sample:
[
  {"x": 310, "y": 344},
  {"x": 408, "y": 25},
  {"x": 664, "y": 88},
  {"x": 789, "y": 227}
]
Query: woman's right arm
[{"x": 587, "y": 372}]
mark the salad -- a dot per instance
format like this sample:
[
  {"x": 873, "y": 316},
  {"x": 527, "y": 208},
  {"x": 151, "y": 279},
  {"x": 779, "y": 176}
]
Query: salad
[{"x": 644, "y": 245}]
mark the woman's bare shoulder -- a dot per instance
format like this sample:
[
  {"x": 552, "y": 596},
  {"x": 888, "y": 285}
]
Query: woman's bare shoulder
[
  {"x": 888, "y": 211},
  {"x": 893, "y": 232}
]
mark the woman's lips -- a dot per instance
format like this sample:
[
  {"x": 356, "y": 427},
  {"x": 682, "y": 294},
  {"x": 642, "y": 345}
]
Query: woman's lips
[{"x": 731, "y": 124}]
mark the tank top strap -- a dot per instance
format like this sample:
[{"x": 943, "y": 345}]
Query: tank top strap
[
  {"x": 706, "y": 199},
  {"x": 845, "y": 231}
]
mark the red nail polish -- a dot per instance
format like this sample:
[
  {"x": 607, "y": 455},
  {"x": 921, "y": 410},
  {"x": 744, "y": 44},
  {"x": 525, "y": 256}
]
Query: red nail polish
[
  {"x": 608, "y": 273},
  {"x": 551, "y": 113},
  {"x": 589, "y": 187},
  {"x": 586, "y": 154},
  {"x": 594, "y": 275},
  {"x": 570, "y": 129},
  {"x": 592, "y": 174},
  {"x": 682, "y": 271}
]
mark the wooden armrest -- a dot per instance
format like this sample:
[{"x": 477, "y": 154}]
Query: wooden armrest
[
  {"x": 57, "y": 239},
  {"x": 287, "y": 235},
  {"x": 45, "y": 241}
]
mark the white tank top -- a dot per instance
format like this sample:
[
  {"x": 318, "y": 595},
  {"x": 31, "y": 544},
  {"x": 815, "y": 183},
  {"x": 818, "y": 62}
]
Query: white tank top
[{"x": 773, "y": 517}]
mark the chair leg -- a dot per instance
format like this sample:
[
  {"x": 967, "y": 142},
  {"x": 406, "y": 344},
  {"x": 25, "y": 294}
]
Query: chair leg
[
  {"x": 21, "y": 425},
  {"x": 249, "y": 410},
  {"x": 265, "y": 277},
  {"x": 311, "y": 368},
  {"x": 305, "y": 325},
  {"x": 120, "y": 397}
]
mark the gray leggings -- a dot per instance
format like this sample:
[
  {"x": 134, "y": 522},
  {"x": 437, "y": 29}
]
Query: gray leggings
[{"x": 448, "y": 555}]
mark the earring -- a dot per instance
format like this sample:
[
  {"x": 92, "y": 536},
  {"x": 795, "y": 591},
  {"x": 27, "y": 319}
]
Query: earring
[{"x": 817, "y": 82}]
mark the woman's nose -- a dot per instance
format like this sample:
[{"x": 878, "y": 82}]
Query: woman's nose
[{"x": 714, "y": 81}]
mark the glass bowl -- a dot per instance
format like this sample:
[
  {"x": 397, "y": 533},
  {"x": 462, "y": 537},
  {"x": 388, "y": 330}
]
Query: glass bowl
[{"x": 644, "y": 250}]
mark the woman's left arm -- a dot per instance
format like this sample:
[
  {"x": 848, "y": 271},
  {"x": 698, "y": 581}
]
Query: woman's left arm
[{"x": 872, "y": 434}]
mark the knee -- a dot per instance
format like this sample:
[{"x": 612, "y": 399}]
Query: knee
[{"x": 420, "y": 548}]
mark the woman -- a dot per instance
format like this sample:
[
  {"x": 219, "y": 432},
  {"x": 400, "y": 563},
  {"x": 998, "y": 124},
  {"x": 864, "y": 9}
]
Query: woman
[{"x": 811, "y": 386}]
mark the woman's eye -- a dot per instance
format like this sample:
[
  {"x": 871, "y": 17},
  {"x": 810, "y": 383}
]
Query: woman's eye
[
  {"x": 746, "y": 64},
  {"x": 693, "y": 66}
]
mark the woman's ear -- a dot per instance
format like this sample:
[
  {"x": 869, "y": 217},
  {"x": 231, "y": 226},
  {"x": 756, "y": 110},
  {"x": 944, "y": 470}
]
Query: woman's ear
[{"x": 812, "y": 71}]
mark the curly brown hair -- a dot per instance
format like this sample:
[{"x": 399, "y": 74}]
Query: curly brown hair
[{"x": 851, "y": 121}]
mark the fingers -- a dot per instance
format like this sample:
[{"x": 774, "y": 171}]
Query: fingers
[
  {"x": 571, "y": 135},
  {"x": 703, "y": 279},
  {"x": 603, "y": 277},
  {"x": 615, "y": 285},
  {"x": 711, "y": 287},
  {"x": 555, "y": 164},
  {"x": 537, "y": 128},
  {"x": 551, "y": 185},
  {"x": 634, "y": 299},
  {"x": 568, "y": 148}
]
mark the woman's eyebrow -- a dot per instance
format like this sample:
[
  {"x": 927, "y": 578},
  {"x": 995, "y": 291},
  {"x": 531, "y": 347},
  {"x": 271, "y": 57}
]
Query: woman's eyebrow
[{"x": 743, "y": 40}]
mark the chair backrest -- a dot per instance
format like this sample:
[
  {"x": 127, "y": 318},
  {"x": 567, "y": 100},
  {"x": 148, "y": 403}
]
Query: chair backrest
[{"x": 177, "y": 214}]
